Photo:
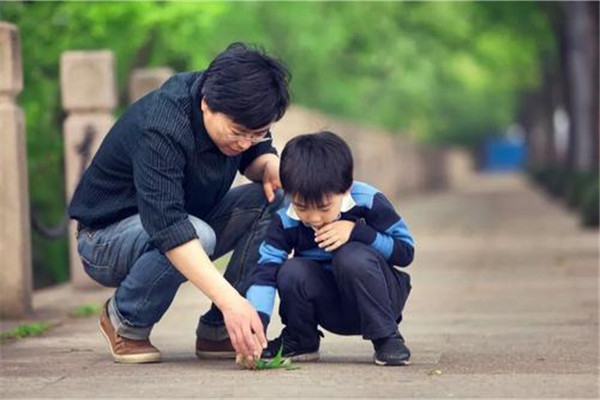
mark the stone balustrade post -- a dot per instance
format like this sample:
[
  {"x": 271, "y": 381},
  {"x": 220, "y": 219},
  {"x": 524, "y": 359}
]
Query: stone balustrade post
[
  {"x": 15, "y": 230},
  {"x": 89, "y": 96},
  {"x": 144, "y": 80}
]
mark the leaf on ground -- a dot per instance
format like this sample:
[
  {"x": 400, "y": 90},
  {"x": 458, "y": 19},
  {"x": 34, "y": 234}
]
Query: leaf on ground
[
  {"x": 432, "y": 372},
  {"x": 279, "y": 361}
]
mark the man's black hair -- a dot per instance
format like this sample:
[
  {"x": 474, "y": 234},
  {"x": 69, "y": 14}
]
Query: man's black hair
[
  {"x": 316, "y": 165},
  {"x": 247, "y": 85}
]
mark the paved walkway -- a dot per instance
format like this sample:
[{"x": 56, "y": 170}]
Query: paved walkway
[{"x": 504, "y": 304}]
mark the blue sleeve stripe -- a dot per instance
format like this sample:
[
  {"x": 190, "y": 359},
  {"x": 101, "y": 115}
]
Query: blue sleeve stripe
[
  {"x": 271, "y": 254},
  {"x": 363, "y": 194},
  {"x": 383, "y": 244},
  {"x": 262, "y": 298},
  {"x": 400, "y": 231},
  {"x": 316, "y": 253}
]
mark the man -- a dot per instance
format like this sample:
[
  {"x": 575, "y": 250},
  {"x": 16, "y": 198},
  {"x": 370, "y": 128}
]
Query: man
[{"x": 155, "y": 205}]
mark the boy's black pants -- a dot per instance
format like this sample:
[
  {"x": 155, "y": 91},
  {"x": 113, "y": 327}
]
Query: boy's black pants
[{"x": 361, "y": 294}]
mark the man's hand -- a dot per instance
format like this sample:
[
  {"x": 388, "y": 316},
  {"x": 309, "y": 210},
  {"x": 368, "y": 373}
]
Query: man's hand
[
  {"x": 245, "y": 329},
  {"x": 334, "y": 235},
  {"x": 242, "y": 321},
  {"x": 245, "y": 362},
  {"x": 265, "y": 169},
  {"x": 270, "y": 178}
]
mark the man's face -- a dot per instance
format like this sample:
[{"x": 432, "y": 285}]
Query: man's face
[
  {"x": 231, "y": 138},
  {"x": 317, "y": 216}
]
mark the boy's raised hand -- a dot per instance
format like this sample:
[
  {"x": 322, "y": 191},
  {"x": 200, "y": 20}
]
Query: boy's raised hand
[{"x": 334, "y": 234}]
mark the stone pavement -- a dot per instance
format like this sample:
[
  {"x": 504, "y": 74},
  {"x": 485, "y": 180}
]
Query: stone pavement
[{"x": 504, "y": 304}]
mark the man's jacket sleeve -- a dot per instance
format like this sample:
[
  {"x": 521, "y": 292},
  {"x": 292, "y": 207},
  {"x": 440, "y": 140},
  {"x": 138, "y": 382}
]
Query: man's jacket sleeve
[{"x": 158, "y": 172}]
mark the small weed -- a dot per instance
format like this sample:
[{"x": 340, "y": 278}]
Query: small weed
[
  {"x": 87, "y": 310},
  {"x": 23, "y": 331},
  {"x": 278, "y": 362}
]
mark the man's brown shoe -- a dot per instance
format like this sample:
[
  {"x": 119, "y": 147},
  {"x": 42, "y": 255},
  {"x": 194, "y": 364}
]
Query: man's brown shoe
[
  {"x": 125, "y": 350},
  {"x": 219, "y": 349}
]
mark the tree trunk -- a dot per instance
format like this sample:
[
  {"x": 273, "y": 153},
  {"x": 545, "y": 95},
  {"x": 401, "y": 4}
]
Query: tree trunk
[
  {"x": 595, "y": 47},
  {"x": 582, "y": 76}
]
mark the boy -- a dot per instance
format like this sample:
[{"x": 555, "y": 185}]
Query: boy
[{"x": 347, "y": 238}]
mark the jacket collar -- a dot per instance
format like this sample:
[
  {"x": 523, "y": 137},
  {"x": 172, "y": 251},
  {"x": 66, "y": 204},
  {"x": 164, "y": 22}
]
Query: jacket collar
[{"x": 347, "y": 204}]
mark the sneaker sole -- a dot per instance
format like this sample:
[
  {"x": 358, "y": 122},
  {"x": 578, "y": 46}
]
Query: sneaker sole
[
  {"x": 132, "y": 358},
  {"x": 389, "y": 364},
  {"x": 215, "y": 355},
  {"x": 307, "y": 357}
]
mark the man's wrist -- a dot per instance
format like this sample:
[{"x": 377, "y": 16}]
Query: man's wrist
[
  {"x": 268, "y": 161},
  {"x": 225, "y": 301}
]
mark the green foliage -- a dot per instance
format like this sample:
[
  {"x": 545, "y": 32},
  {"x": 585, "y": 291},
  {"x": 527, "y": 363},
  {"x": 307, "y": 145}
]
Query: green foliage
[
  {"x": 581, "y": 191},
  {"x": 23, "y": 331},
  {"x": 589, "y": 205},
  {"x": 438, "y": 71},
  {"x": 277, "y": 362},
  {"x": 577, "y": 186},
  {"x": 87, "y": 310}
]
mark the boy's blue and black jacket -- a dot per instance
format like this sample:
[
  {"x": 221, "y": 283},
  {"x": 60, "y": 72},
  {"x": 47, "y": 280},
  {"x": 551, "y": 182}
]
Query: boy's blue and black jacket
[{"x": 377, "y": 225}]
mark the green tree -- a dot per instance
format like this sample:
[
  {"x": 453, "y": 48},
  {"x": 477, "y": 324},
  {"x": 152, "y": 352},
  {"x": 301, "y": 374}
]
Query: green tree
[{"x": 438, "y": 71}]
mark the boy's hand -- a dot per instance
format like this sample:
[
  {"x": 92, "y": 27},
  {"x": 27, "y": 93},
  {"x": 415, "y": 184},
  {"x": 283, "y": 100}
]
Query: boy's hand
[{"x": 334, "y": 235}]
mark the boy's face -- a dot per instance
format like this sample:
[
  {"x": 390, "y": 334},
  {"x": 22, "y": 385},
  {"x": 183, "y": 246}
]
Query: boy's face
[
  {"x": 231, "y": 138},
  {"x": 319, "y": 216}
]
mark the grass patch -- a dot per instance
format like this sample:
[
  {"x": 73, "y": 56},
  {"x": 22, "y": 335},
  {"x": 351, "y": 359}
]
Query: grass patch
[
  {"x": 27, "y": 330},
  {"x": 86, "y": 310}
]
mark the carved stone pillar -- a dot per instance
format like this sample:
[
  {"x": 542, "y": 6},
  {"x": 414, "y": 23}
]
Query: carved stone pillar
[
  {"x": 15, "y": 223},
  {"x": 88, "y": 90}
]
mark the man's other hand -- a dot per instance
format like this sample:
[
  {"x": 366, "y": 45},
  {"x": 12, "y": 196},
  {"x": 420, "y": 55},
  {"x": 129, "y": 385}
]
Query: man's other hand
[{"x": 270, "y": 179}]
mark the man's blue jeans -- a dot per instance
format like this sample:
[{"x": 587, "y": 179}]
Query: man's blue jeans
[{"x": 121, "y": 256}]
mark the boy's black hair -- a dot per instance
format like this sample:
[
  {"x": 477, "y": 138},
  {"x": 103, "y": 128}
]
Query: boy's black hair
[
  {"x": 247, "y": 85},
  {"x": 316, "y": 165}
]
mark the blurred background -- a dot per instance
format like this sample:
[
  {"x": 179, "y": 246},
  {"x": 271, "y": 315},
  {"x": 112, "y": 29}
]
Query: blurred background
[{"x": 514, "y": 85}]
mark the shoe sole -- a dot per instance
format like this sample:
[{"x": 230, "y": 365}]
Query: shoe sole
[
  {"x": 307, "y": 357},
  {"x": 132, "y": 358},
  {"x": 391, "y": 364},
  {"x": 215, "y": 355}
]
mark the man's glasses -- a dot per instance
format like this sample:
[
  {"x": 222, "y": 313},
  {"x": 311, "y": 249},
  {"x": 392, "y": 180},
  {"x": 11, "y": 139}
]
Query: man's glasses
[{"x": 252, "y": 139}]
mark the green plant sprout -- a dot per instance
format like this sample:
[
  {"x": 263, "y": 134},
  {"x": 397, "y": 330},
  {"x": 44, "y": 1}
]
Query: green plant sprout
[{"x": 279, "y": 361}]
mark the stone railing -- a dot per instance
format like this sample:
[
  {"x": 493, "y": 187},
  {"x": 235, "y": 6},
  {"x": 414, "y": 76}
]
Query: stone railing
[
  {"x": 15, "y": 223},
  {"x": 393, "y": 163}
]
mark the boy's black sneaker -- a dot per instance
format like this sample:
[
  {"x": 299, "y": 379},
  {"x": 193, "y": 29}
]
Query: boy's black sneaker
[
  {"x": 391, "y": 351},
  {"x": 291, "y": 348}
]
